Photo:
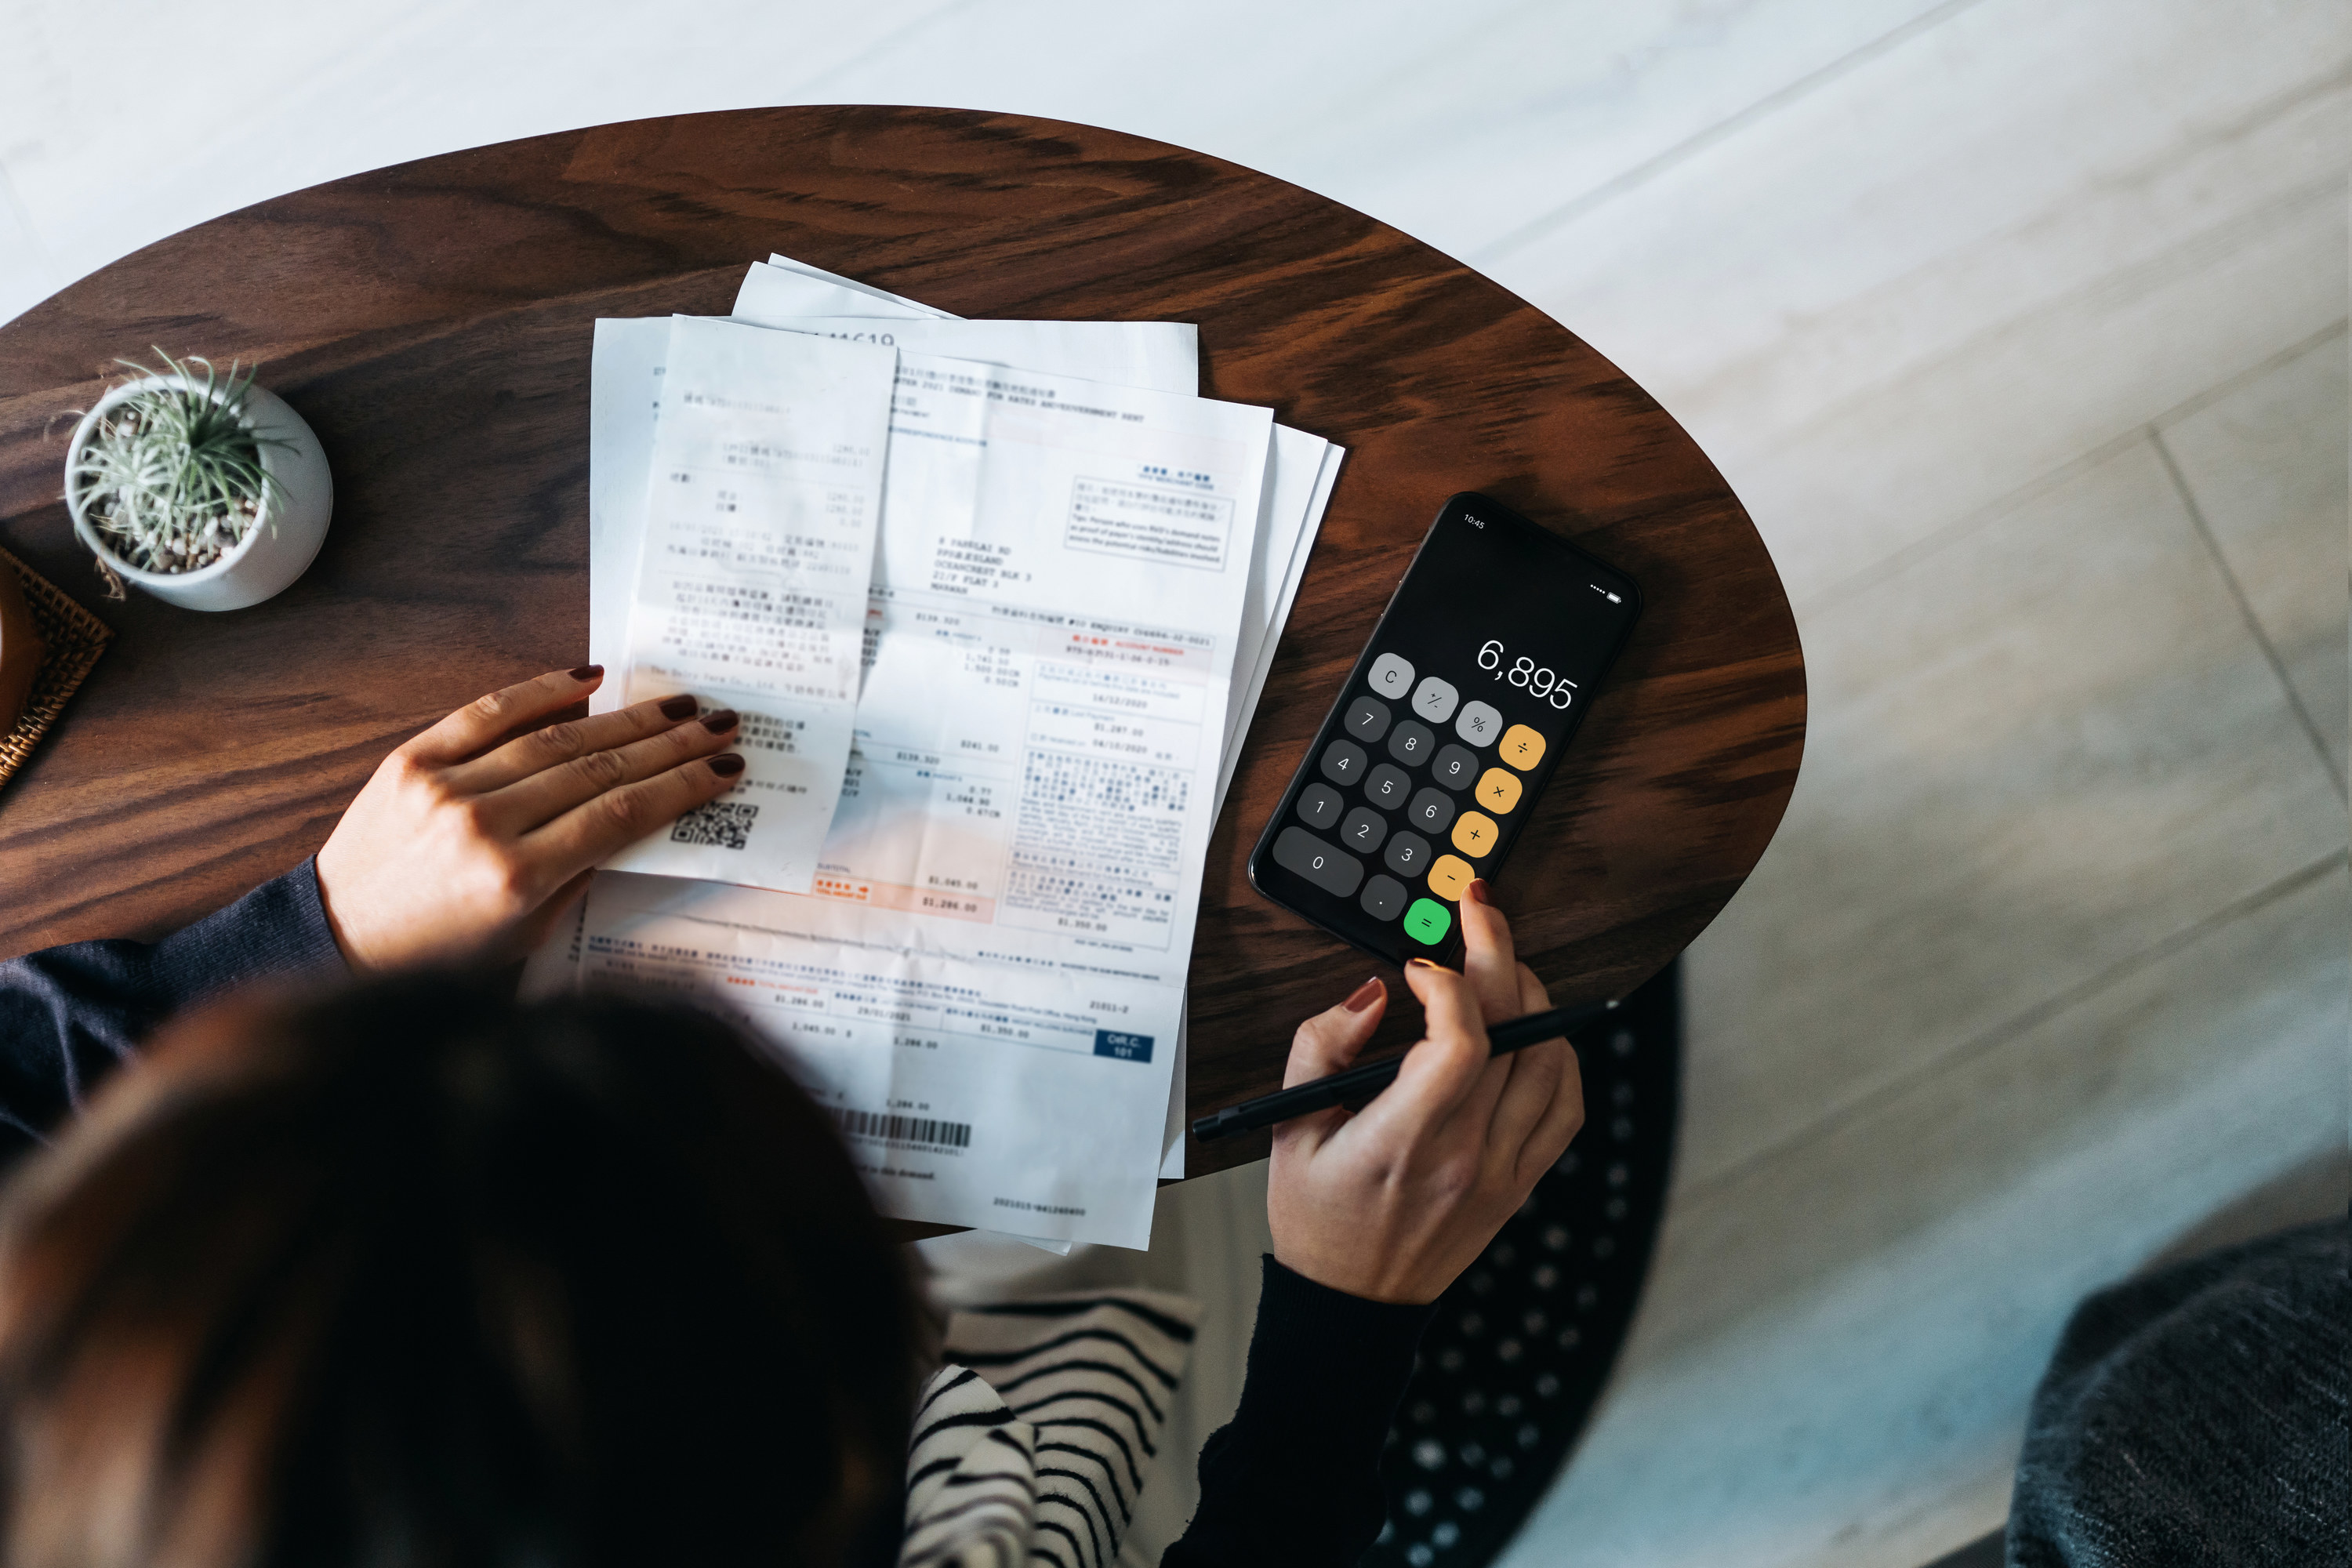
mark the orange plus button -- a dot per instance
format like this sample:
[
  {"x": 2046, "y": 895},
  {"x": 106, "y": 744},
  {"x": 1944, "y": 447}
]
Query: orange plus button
[
  {"x": 1450, "y": 875},
  {"x": 1522, "y": 747},
  {"x": 1474, "y": 833},
  {"x": 1498, "y": 791}
]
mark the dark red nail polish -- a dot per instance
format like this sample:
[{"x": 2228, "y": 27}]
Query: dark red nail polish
[
  {"x": 727, "y": 766},
  {"x": 1366, "y": 994},
  {"x": 718, "y": 724},
  {"x": 678, "y": 707},
  {"x": 588, "y": 672},
  {"x": 1476, "y": 891}
]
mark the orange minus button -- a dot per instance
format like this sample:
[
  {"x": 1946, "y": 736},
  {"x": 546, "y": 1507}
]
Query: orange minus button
[
  {"x": 1522, "y": 748},
  {"x": 1450, "y": 875}
]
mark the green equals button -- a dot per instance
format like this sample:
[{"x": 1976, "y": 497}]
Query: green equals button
[{"x": 1428, "y": 921}]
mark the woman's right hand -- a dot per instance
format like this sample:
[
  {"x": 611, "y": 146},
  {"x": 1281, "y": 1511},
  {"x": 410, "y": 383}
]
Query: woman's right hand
[
  {"x": 1393, "y": 1201},
  {"x": 471, "y": 840}
]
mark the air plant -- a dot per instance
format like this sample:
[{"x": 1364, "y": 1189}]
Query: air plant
[{"x": 170, "y": 474}]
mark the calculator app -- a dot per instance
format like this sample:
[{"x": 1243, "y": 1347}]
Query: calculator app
[{"x": 1450, "y": 724}]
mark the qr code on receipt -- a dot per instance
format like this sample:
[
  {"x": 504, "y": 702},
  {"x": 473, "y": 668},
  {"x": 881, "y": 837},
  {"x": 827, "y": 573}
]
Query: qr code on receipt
[{"x": 721, "y": 825}]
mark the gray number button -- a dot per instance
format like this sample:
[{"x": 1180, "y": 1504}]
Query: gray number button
[
  {"x": 1364, "y": 830},
  {"x": 1479, "y": 724},
  {"x": 1343, "y": 761},
  {"x": 1368, "y": 719},
  {"x": 1319, "y": 805},
  {"x": 1412, "y": 743},
  {"x": 1433, "y": 699},
  {"x": 1407, "y": 854},
  {"x": 1391, "y": 676},
  {"x": 1455, "y": 767},
  {"x": 1300, "y": 851},
  {"x": 1387, "y": 785},
  {"x": 1432, "y": 811},
  {"x": 1383, "y": 897}
]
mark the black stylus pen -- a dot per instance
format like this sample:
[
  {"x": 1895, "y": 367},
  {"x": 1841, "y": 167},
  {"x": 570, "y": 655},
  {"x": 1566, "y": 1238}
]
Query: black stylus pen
[{"x": 1360, "y": 1083}]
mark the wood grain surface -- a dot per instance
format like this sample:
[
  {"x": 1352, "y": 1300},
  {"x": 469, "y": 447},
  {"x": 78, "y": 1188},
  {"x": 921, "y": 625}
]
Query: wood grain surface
[{"x": 432, "y": 322}]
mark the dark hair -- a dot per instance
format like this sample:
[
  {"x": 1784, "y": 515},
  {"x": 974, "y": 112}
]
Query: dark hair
[{"x": 419, "y": 1275}]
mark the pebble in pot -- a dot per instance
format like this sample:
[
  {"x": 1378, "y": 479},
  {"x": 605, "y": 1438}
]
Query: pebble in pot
[{"x": 205, "y": 491}]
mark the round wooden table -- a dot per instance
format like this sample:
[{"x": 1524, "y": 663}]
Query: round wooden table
[{"x": 432, "y": 322}]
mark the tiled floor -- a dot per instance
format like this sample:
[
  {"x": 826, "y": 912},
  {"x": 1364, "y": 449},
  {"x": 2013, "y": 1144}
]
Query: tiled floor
[{"x": 2020, "y": 328}]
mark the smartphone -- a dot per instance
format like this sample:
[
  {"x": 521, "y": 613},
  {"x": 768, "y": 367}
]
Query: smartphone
[{"x": 1452, "y": 721}]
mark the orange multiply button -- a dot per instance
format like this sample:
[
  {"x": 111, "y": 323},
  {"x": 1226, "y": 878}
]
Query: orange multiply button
[
  {"x": 1498, "y": 791},
  {"x": 1522, "y": 748}
]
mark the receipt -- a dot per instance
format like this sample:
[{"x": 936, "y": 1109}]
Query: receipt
[
  {"x": 987, "y": 989},
  {"x": 751, "y": 583}
]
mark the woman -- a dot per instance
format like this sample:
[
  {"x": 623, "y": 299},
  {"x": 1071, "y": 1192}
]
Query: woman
[{"x": 413, "y": 1273}]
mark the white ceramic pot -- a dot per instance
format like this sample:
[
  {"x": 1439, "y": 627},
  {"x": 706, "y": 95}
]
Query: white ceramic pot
[{"x": 281, "y": 543}]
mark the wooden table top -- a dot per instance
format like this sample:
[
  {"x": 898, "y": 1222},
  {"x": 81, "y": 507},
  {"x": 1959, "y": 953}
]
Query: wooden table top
[{"x": 432, "y": 322}]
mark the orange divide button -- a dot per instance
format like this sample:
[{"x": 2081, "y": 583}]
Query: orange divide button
[{"x": 1522, "y": 748}]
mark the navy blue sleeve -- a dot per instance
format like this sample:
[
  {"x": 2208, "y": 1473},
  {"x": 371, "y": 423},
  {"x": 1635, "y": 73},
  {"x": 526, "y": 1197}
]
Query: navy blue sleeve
[
  {"x": 1293, "y": 1479},
  {"x": 71, "y": 1016}
]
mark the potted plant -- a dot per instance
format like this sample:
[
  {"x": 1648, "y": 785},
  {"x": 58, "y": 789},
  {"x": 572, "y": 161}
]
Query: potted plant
[{"x": 204, "y": 489}]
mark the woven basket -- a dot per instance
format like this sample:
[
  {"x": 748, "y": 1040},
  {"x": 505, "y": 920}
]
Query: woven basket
[{"x": 74, "y": 637}]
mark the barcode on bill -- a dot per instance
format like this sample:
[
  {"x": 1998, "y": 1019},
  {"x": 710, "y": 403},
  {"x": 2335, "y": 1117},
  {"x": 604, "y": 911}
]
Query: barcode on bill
[
  {"x": 719, "y": 825},
  {"x": 903, "y": 1128}
]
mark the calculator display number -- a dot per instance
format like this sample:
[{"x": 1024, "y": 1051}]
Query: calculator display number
[{"x": 1526, "y": 673}]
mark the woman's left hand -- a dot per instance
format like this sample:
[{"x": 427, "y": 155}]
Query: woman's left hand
[{"x": 470, "y": 841}]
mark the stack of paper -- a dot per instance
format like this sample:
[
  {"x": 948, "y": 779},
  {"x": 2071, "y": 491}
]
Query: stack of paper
[{"x": 996, "y": 600}]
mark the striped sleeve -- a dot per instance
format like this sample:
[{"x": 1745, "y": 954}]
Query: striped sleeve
[
  {"x": 971, "y": 1477},
  {"x": 1092, "y": 1374}
]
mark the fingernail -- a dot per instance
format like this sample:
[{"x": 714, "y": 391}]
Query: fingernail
[
  {"x": 679, "y": 707},
  {"x": 718, "y": 724},
  {"x": 727, "y": 766},
  {"x": 1476, "y": 893},
  {"x": 1365, "y": 994},
  {"x": 588, "y": 672},
  {"x": 1426, "y": 963}
]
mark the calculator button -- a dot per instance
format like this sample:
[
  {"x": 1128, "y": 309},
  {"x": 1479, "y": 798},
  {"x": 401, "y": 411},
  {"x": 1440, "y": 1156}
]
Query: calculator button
[
  {"x": 1455, "y": 766},
  {"x": 1319, "y": 805},
  {"x": 1522, "y": 748},
  {"x": 1428, "y": 921},
  {"x": 1431, "y": 810},
  {"x": 1478, "y": 724},
  {"x": 1343, "y": 761},
  {"x": 1407, "y": 854},
  {"x": 1449, "y": 877},
  {"x": 1474, "y": 833},
  {"x": 1383, "y": 897},
  {"x": 1498, "y": 790},
  {"x": 1433, "y": 699},
  {"x": 1412, "y": 743},
  {"x": 1387, "y": 787},
  {"x": 1392, "y": 676},
  {"x": 1364, "y": 830},
  {"x": 1368, "y": 719},
  {"x": 1300, "y": 851}
]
